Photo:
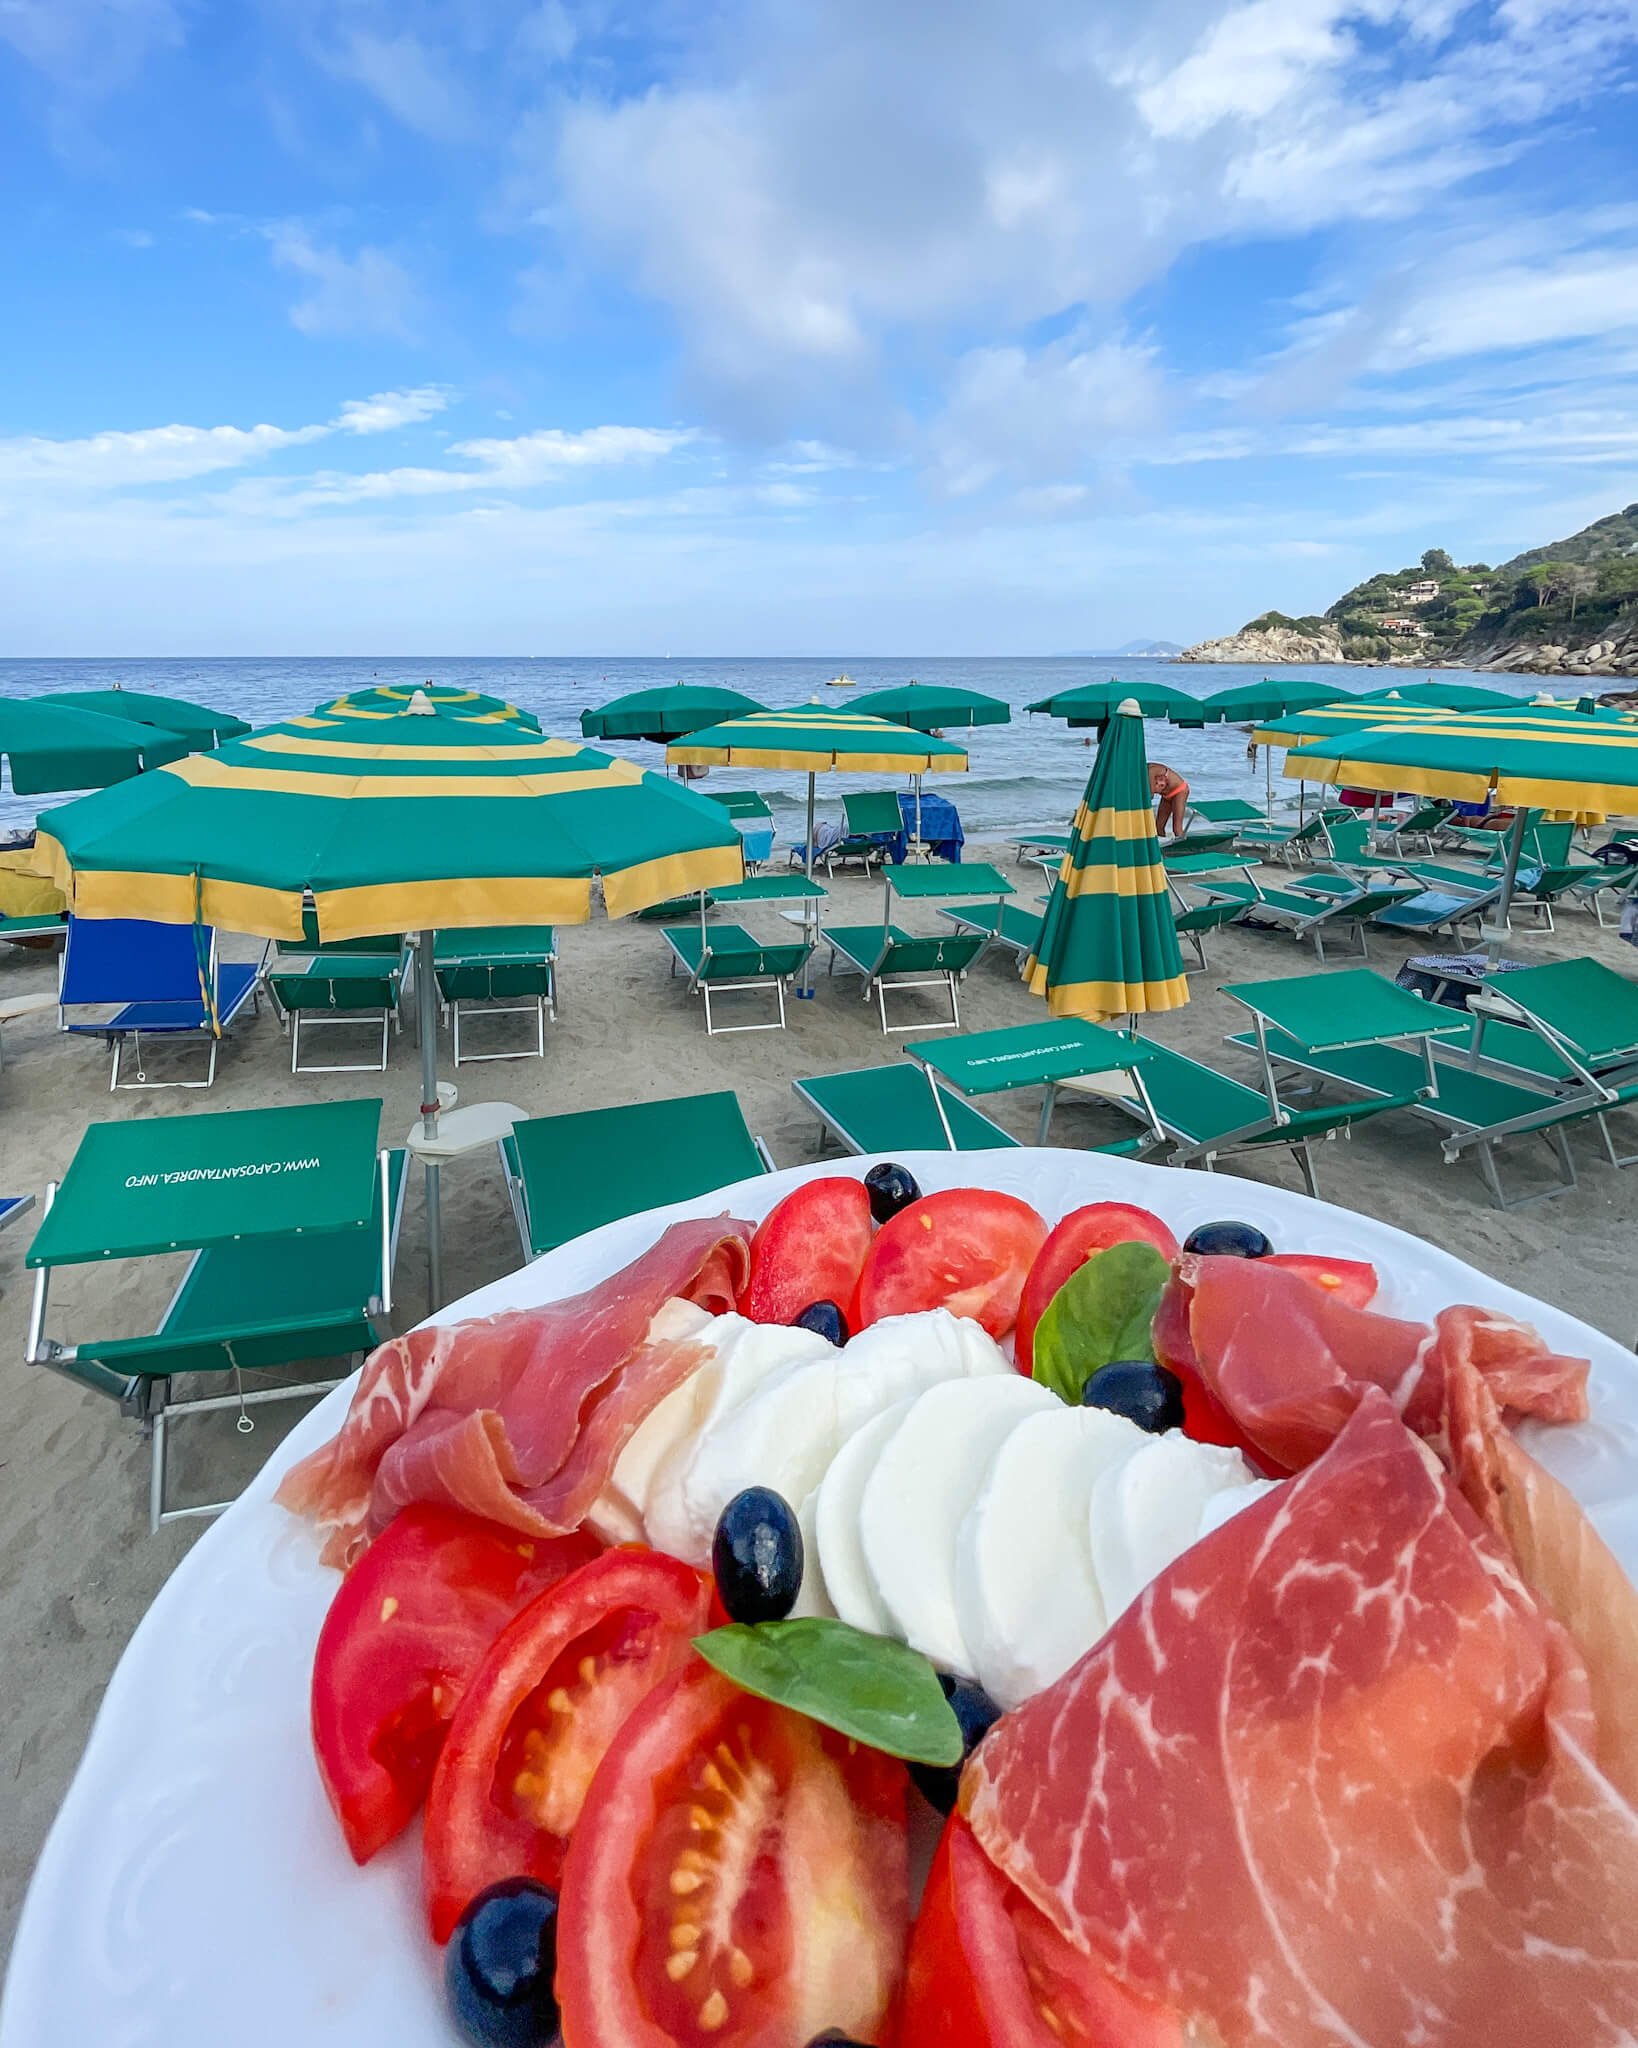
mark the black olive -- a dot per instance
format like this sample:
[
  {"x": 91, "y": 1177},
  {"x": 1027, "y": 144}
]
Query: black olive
[
  {"x": 757, "y": 1556},
  {"x": 891, "y": 1188},
  {"x": 1145, "y": 1393},
  {"x": 977, "y": 1714},
  {"x": 827, "y": 1319},
  {"x": 501, "y": 1966},
  {"x": 1228, "y": 1241}
]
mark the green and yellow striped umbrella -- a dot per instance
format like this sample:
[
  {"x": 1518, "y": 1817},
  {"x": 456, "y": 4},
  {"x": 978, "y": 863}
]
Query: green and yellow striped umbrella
[
  {"x": 1587, "y": 767},
  {"x": 1108, "y": 944},
  {"x": 403, "y": 824},
  {"x": 812, "y": 738},
  {"x": 391, "y": 700}
]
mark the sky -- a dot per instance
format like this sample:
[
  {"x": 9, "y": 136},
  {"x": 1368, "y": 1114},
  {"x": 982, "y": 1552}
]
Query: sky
[{"x": 752, "y": 327}]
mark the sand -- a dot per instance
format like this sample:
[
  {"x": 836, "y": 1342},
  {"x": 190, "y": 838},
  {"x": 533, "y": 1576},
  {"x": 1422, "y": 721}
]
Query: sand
[{"x": 77, "y": 1565}]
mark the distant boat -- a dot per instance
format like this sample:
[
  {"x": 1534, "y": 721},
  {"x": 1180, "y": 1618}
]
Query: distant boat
[{"x": 842, "y": 682}]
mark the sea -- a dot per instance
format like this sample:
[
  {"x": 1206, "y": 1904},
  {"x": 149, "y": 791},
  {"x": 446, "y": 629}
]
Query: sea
[{"x": 1026, "y": 775}]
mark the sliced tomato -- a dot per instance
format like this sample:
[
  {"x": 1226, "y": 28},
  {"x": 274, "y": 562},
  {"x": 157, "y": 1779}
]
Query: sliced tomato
[
  {"x": 1349, "y": 1280},
  {"x": 541, "y": 1710},
  {"x": 1071, "y": 1243},
  {"x": 967, "y": 1249},
  {"x": 988, "y": 1970},
  {"x": 808, "y": 1248},
  {"x": 739, "y": 1878},
  {"x": 408, "y": 1628}
]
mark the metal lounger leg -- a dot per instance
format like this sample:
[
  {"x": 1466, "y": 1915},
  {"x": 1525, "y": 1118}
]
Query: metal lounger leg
[{"x": 158, "y": 1443}]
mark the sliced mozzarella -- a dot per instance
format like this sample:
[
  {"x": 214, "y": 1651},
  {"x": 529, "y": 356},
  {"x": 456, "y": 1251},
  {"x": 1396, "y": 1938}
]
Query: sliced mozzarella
[
  {"x": 848, "y": 1583},
  {"x": 925, "y": 1479},
  {"x": 814, "y": 1597},
  {"x": 746, "y": 1355},
  {"x": 907, "y": 1354},
  {"x": 1147, "y": 1510},
  {"x": 1027, "y": 1596},
  {"x": 1233, "y": 1500}
]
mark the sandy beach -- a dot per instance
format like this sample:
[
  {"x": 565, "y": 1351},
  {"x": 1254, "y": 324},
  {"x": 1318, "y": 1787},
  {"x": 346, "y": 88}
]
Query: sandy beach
[{"x": 77, "y": 1565}]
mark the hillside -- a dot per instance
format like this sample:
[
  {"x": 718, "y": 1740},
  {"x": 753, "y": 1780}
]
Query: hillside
[{"x": 1570, "y": 607}]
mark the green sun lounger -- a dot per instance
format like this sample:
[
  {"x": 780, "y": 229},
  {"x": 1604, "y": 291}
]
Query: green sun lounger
[
  {"x": 292, "y": 1218},
  {"x": 1286, "y": 842},
  {"x": 499, "y": 971},
  {"x": 723, "y": 959},
  {"x": 872, "y": 818},
  {"x": 1433, "y": 911},
  {"x": 1004, "y": 927},
  {"x": 347, "y": 983},
  {"x": 1423, "y": 822},
  {"x": 1192, "y": 845},
  {"x": 892, "y": 1109},
  {"x": 1028, "y": 846},
  {"x": 1052, "y": 1054},
  {"x": 568, "y": 1174},
  {"x": 886, "y": 955},
  {"x": 1312, "y": 909},
  {"x": 43, "y": 925},
  {"x": 1226, "y": 810},
  {"x": 1586, "y": 1016},
  {"x": 1195, "y": 921}
]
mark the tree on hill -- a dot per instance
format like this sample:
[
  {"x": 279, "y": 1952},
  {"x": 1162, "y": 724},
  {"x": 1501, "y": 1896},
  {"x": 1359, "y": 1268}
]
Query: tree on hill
[{"x": 1437, "y": 563}]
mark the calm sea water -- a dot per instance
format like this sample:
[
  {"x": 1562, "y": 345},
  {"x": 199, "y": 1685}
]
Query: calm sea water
[{"x": 1026, "y": 774}]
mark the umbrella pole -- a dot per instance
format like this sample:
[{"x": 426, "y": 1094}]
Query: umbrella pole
[
  {"x": 426, "y": 1005},
  {"x": 918, "y": 811},
  {"x": 805, "y": 992},
  {"x": 1495, "y": 935}
]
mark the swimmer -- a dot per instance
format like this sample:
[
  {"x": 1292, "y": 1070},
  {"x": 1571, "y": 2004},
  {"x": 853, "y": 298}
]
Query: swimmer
[{"x": 1171, "y": 795}]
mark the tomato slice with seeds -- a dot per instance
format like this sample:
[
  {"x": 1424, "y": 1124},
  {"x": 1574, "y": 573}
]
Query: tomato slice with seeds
[
  {"x": 739, "y": 1877},
  {"x": 400, "y": 1643},
  {"x": 964, "y": 1249},
  {"x": 539, "y": 1714},
  {"x": 988, "y": 1970},
  {"x": 1080, "y": 1236},
  {"x": 809, "y": 1247},
  {"x": 1350, "y": 1280}
]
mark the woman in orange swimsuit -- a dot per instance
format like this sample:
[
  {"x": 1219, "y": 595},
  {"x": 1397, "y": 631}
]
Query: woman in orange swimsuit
[{"x": 1171, "y": 794}]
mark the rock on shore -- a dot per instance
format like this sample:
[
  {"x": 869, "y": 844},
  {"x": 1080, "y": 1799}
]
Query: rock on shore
[
  {"x": 1616, "y": 654},
  {"x": 1266, "y": 645}
]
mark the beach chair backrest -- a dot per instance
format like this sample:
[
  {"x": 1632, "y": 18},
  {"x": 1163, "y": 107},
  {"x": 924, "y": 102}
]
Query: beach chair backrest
[
  {"x": 130, "y": 960},
  {"x": 1587, "y": 1004},
  {"x": 1227, "y": 810},
  {"x": 1551, "y": 844},
  {"x": 733, "y": 952},
  {"x": 1195, "y": 1100},
  {"x": 1348, "y": 839},
  {"x": 940, "y": 955},
  {"x": 870, "y": 812}
]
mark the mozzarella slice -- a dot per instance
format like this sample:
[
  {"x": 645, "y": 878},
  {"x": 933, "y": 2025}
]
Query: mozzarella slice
[
  {"x": 907, "y": 1354},
  {"x": 746, "y": 1355},
  {"x": 848, "y": 1583},
  {"x": 814, "y": 1598},
  {"x": 1147, "y": 1510},
  {"x": 1027, "y": 1596},
  {"x": 925, "y": 1479},
  {"x": 1233, "y": 1500}
]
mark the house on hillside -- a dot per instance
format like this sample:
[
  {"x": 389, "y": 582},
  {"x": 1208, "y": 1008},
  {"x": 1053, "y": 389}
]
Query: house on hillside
[
  {"x": 1410, "y": 629},
  {"x": 1423, "y": 592}
]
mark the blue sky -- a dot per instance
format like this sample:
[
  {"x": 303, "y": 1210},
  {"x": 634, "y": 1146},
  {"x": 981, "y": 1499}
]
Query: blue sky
[{"x": 1022, "y": 326}]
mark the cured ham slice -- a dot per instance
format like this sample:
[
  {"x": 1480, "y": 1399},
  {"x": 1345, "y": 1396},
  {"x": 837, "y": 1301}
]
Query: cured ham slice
[
  {"x": 516, "y": 1417},
  {"x": 1333, "y": 1782},
  {"x": 1289, "y": 1363}
]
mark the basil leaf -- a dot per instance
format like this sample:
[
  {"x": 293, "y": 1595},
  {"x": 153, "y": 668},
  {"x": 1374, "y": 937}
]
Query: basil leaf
[
  {"x": 880, "y": 1693},
  {"x": 1105, "y": 1310}
]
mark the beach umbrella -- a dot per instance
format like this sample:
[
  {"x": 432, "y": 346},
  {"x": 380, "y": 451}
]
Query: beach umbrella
[
  {"x": 323, "y": 829},
  {"x": 52, "y": 747},
  {"x": 1443, "y": 696},
  {"x": 1578, "y": 766},
  {"x": 196, "y": 723},
  {"x": 392, "y": 700},
  {"x": 932, "y": 707},
  {"x": 813, "y": 739},
  {"x": 1108, "y": 944},
  {"x": 1096, "y": 703},
  {"x": 1273, "y": 697},
  {"x": 666, "y": 713}
]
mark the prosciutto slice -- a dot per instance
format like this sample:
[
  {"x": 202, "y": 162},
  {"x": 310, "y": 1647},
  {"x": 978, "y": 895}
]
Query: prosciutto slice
[
  {"x": 516, "y": 1417},
  {"x": 1291, "y": 1363},
  {"x": 1333, "y": 1781}
]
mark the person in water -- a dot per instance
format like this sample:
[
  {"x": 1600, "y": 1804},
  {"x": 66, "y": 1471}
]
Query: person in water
[{"x": 1171, "y": 794}]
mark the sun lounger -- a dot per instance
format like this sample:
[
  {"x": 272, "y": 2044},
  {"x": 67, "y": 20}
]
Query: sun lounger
[
  {"x": 1585, "y": 1015},
  {"x": 502, "y": 971},
  {"x": 13, "y": 1208},
  {"x": 754, "y": 819},
  {"x": 1195, "y": 920},
  {"x": 349, "y": 984},
  {"x": 1287, "y": 842},
  {"x": 1227, "y": 810},
  {"x": 724, "y": 959},
  {"x": 891, "y": 1109},
  {"x": 872, "y": 822},
  {"x": 35, "y": 929},
  {"x": 1193, "y": 845},
  {"x": 1006, "y": 926},
  {"x": 1436, "y": 910},
  {"x": 1313, "y": 909},
  {"x": 887, "y": 955},
  {"x": 568, "y": 1174},
  {"x": 147, "y": 979},
  {"x": 292, "y": 1216},
  {"x": 1421, "y": 823},
  {"x": 1030, "y": 846}
]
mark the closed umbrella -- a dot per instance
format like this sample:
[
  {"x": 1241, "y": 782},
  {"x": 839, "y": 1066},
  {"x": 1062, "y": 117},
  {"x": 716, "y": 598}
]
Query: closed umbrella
[
  {"x": 933, "y": 707},
  {"x": 1108, "y": 944},
  {"x": 392, "y": 700},
  {"x": 1096, "y": 703},
  {"x": 328, "y": 829},
  {"x": 196, "y": 723},
  {"x": 52, "y": 747},
  {"x": 814, "y": 739},
  {"x": 667, "y": 713}
]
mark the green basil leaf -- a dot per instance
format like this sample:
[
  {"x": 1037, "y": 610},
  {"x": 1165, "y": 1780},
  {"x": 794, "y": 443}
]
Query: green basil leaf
[
  {"x": 880, "y": 1693},
  {"x": 1105, "y": 1310}
]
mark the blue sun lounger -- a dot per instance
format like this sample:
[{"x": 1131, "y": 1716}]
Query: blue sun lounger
[{"x": 147, "y": 978}]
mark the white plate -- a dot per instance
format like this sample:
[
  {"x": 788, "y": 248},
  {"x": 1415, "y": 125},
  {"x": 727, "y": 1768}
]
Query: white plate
[{"x": 195, "y": 1889}]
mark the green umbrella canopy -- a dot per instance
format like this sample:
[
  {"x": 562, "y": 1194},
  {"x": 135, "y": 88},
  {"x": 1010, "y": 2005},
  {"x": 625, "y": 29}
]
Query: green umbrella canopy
[
  {"x": 813, "y": 738},
  {"x": 931, "y": 707},
  {"x": 194, "y": 722},
  {"x": 1330, "y": 721},
  {"x": 1097, "y": 703},
  {"x": 392, "y": 700},
  {"x": 666, "y": 713},
  {"x": 1582, "y": 766},
  {"x": 50, "y": 747},
  {"x": 1108, "y": 944},
  {"x": 1444, "y": 696},
  {"x": 401, "y": 824},
  {"x": 1273, "y": 697}
]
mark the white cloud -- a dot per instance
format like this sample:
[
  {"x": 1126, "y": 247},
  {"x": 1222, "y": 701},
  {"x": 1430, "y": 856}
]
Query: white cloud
[
  {"x": 368, "y": 292},
  {"x": 1046, "y": 415},
  {"x": 89, "y": 47},
  {"x": 158, "y": 455},
  {"x": 521, "y": 463},
  {"x": 415, "y": 87}
]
